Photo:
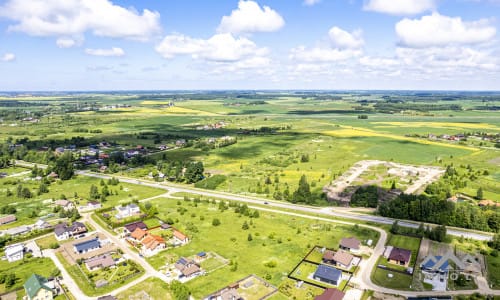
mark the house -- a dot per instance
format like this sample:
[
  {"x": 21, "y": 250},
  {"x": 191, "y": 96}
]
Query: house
[
  {"x": 127, "y": 211},
  {"x": 129, "y": 228},
  {"x": 435, "y": 264},
  {"x": 201, "y": 256},
  {"x": 63, "y": 232},
  {"x": 98, "y": 262},
  {"x": 41, "y": 224},
  {"x": 330, "y": 294},
  {"x": 38, "y": 288},
  {"x": 87, "y": 246},
  {"x": 180, "y": 142},
  {"x": 350, "y": 244},
  {"x": 53, "y": 175},
  {"x": 328, "y": 257},
  {"x": 7, "y": 219},
  {"x": 180, "y": 238},
  {"x": 343, "y": 259},
  {"x": 165, "y": 226},
  {"x": 14, "y": 252},
  {"x": 400, "y": 256},
  {"x": 65, "y": 204},
  {"x": 107, "y": 297},
  {"x": 328, "y": 274},
  {"x": 151, "y": 244},
  {"x": 18, "y": 230},
  {"x": 187, "y": 267},
  {"x": 91, "y": 205},
  {"x": 138, "y": 234}
]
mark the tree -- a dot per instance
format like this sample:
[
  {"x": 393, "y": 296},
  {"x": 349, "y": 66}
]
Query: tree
[
  {"x": 249, "y": 238},
  {"x": 495, "y": 242},
  {"x": 94, "y": 192},
  {"x": 180, "y": 291},
  {"x": 303, "y": 192},
  {"x": 245, "y": 226},
  {"x": 42, "y": 188},
  {"x": 215, "y": 222},
  {"x": 194, "y": 172},
  {"x": 393, "y": 185},
  {"x": 479, "y": 194},
  {"x": 26, "y": 193},
  {"x": 395, "y": 227},
  {"x": 64, "y": 166}
]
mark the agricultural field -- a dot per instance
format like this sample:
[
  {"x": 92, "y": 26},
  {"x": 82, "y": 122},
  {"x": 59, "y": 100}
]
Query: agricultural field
[{"x": 276, "y": 246}]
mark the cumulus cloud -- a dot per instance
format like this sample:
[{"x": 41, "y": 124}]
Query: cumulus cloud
[
  {"x": 320, "y": 54},
  {"x": 222, "y": 47},
  {"x": 439, "y": 30},
  {"x": 68, "y": 42},
  {"x": 311, "y": 2},
  {"x": 7, "y": 57},
  {"x": 115, "y": 51},
  {"x": 250, "y": 17},
  {"x": 76, "y": 17},
  {"x": 342, "y": 39},
  {"x": 399, "y": 7}
]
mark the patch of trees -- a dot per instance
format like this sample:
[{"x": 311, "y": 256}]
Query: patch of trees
[
  {"x": 432, "y": 209},
  {"x": 365, "y": 196},
  {"x": 64, "y": 166},
  {"x": 388, "y": 107},
  {"x": 182, "y": 171},
  {"x": 8, "y": 210},
  {"x": 437, "y": 233}
]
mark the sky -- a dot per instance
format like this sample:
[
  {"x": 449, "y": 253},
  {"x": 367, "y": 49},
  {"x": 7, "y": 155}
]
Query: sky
[{"x": 68, "y": 45}]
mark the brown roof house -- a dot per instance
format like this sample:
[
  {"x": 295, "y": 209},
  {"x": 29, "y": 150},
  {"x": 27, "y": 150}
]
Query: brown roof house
[
  {"x": 180, "y": 238},
  {"x": 98, "y": 262},
  {"x": 152, "y": 244},
  {"x": 129, "y": 228},
  {"x": 350, "y": 244},
  {"x": 330, "y": 294},
  {"x": 7, "y": 219},
  {"x": 65, "y": 204},
  {"x": 187, "y": 268},
  {"x": 328, "y": 257},
  {"x": 138, "y": 234},
  {"x": 343, "y": 259},
  {"x": 400, "y": 256}
]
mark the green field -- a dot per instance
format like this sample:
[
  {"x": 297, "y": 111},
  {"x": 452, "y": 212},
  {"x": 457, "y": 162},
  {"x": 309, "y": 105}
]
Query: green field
[
  {"x": 278, "y": 242},
  {"x": 154, "y": 287},
  {"x": 397, "y": 281},
  {"x": 23, "y": 269}
]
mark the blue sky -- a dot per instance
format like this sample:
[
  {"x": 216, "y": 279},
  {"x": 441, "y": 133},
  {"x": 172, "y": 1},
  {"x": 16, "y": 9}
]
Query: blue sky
[{"x": 262, "y": 44}]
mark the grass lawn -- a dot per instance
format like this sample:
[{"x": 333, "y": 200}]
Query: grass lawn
[
  {"x": 46, "y": 242},
  {"x": 469, "y": 285},
  {"x": 212, "y": 263},
  {"x": 493, "y": 264},
  {"x": 289, "y": 290},
  {"x": 154, "y": 287},
  {"x": 23, "y": 269},
  {"x": 398, "y": 281},
  {"x": 315, "y": 255},
  {"x": 279, "y": 239}
]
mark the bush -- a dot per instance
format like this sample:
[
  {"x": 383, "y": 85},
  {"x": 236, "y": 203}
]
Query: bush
[{"x": 215, "y": 222}]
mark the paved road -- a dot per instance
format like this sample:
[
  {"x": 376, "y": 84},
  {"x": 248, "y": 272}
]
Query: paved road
[{"x": 334, "y": 212}]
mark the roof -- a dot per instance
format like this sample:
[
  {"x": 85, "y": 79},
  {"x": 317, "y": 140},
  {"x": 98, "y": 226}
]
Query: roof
[
  {"x": 13, "y": 249},
  {"x": 330, "y": 294},
  {"x": 133, "y": 205},
  {"x": 103, "y": 261},
  {"x": 343, "y": 257},
  {"x": 328, "y": 255},
  {"x": 190, "y": 270},
  {"x": 400, "y": 254},
  {"x": 60, "y": 229},
  {"x": 34, "y": 284},
  {"x": 350, "y": 242},
  {"x": 7, "y": 219},
  {"x": 179, "y": 235},
  {"x": 87, "y": 245},
  {"x": 328, "y": 273},
  {"x": 18, "y": 230},
  {"x": 201, "y": 254},
  {"x": 152, "y": 241},
  {"x": 435, "y": 263},
  {"x": 165, "y": 226},
  {"x": 107, "y": 297},
  {"x": 138, "y": 233},
  {"x": 76, "y": 225},
  {"x": 93, "y": 203},
  {"x": 62, "y": 202},
  {"x": 132, "y": 226}
]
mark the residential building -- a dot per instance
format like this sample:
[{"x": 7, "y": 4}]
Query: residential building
[
  {"x": 328, "y": 274},
  {"x": 38, "y": 288},
  {"x": 350, "y": 244},
  {"x": 187, "y": 268},
  {"x": 435, "y": 264},
  {"x": 138, "y": 234},
  {"x": 107, "y": 297},
  {"x": 63, "y": 232},
  {"x": 343, "y": 259},
  {"x": 7, "y": 219},
  {"x": 87, "y": 246},
  {"x": 41, "y": 224},
  {"x": 328, "y": 257},
  {"x": 65, "y": 204},
  {"x": 91, "y": 205},
  {"x": 129, "y": 228},
  {"x": 151, "y": 244},
  {"x": 20, "y": 230},
  {"x": 14, "y": 252},
  {"x": 400, "y": 256},
  {"x": 330, "y": 294},
  {"x": 180, "y": 238},
  {"x": 127, "y": 211},
  {"x": 98, "y": 262}
]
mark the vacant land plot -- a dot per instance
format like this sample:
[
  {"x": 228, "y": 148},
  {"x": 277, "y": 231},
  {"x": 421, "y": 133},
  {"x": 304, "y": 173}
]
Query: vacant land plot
[
  {"x": 277, "y": 243},
  {"x": 154, "y": 287},
  {"x": 393, "y": 280},
  {"x": 23, "y": 269}
]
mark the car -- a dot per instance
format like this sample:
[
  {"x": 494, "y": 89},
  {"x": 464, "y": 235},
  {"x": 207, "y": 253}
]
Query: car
[{"x": 265, "y": 202}]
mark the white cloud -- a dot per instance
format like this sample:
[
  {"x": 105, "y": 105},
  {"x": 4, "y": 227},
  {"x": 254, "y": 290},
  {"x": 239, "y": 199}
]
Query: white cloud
[
  {"x": 115, "y": 51},
  {"x": 67, "y": 42},
  {"x": 439, "y": 30},
  {"x": 378, "y": 62},
  {"x": 223, "y": 47},
  {"x": 320, "y": 54},
  {"x": 399, "y": 7},
  {"x": 342, "y": 39},
  {"x": 7, "y": 57},
  {"x": 311, "y": 2},
  {"x": 250, "y": 17},
  {"x": 75, "y": 17}
]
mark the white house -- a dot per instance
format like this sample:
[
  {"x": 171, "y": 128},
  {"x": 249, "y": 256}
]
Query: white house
[
  {"x": 127, "y": 211},
  {"x": 65, "y": 204},
  {"x": 14, "y": 252},
  {"x": 41, "y": 224}
]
